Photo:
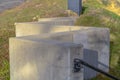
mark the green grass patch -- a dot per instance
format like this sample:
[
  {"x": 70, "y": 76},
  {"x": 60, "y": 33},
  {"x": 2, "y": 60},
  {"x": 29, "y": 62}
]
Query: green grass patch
[{"x": 4, "y": 70}]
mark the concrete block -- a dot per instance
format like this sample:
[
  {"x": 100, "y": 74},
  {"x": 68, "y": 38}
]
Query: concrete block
[
  {"x": 95, "y": 42},
  {"x": 25, "y": 29},
  {"x": 59, "y": 20},
  {"x": 94, "y": 39},
  {"x": 33, "y": 58},
  {"x": 45, "y": 25}
]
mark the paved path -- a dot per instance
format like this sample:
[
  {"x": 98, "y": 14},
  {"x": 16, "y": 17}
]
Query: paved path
[{"x": 7, "y": 4}]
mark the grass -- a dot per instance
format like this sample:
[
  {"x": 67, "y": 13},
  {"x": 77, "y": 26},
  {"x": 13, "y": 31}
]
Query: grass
[
  {"x": 95, "y": 14},
  {"x": 99, "y": 16},
  {"x": 4, "y": 72}
]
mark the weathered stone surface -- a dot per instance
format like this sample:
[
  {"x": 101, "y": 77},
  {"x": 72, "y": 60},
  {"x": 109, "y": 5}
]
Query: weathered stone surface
[
  {"x": 25, "y": 29},
  {"x": 95, "y": 42},
  {"x": 96, "y": 39},
  {"x": 45, "y": 25},
  {"x": 59, "y": 20},
  {"x": 33, "y": 58}
]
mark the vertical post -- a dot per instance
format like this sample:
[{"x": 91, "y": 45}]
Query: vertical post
[{"x": 75, "y": 5}]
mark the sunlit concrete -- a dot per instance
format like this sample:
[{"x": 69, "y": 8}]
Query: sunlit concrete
[
  {"x": 45, "y": 25},
  {"x": 25, "y": 29},
  {"x": 33, "y": 58},
  {"x": 88, "y": 34},
  {"x": 95, "y": 42},
  {"x": 61, "y": 20}
]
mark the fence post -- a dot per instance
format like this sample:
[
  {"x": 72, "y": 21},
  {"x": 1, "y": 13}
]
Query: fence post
[{"x": 75, "y": 6}]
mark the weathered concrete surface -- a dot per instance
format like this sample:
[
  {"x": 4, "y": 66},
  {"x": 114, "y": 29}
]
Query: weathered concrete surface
[
  {"x": 94, "y": 39},
  {"x": 33, "y": 29},
  {"x": 33, "y": 58},
  {"x": 61, "y": 20},
  {"x": 45, "y": 25},
  {"x": 95, "y": 42},
  {"x": 25, "y": 29}
]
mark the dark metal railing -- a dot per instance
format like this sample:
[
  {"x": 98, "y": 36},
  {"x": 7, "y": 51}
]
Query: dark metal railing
[{"x": 78, "y": 62}]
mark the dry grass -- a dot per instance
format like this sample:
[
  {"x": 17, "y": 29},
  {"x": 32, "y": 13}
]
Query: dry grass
[{"x": 114, "y": 7}]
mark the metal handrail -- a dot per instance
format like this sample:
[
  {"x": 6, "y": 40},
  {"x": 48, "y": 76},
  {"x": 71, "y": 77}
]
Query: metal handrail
[{"x": 97, "y": 69}]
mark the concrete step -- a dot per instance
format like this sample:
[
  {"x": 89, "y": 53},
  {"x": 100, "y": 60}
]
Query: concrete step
[
  {"x": 45, "y": 25},
  {"x": 95, "y": 41},
  {"x": 96, "y": 46},
  {"x": 33, "y": 58},
  {"x": 61, "y": 20}
]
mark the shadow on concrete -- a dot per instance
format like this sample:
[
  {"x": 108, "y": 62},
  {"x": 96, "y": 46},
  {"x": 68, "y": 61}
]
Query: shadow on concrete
[{"x": 90, "y": 57}]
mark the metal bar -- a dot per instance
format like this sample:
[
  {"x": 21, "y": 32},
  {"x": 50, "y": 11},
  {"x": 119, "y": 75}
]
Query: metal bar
[{"x": 98, "y": 70}]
